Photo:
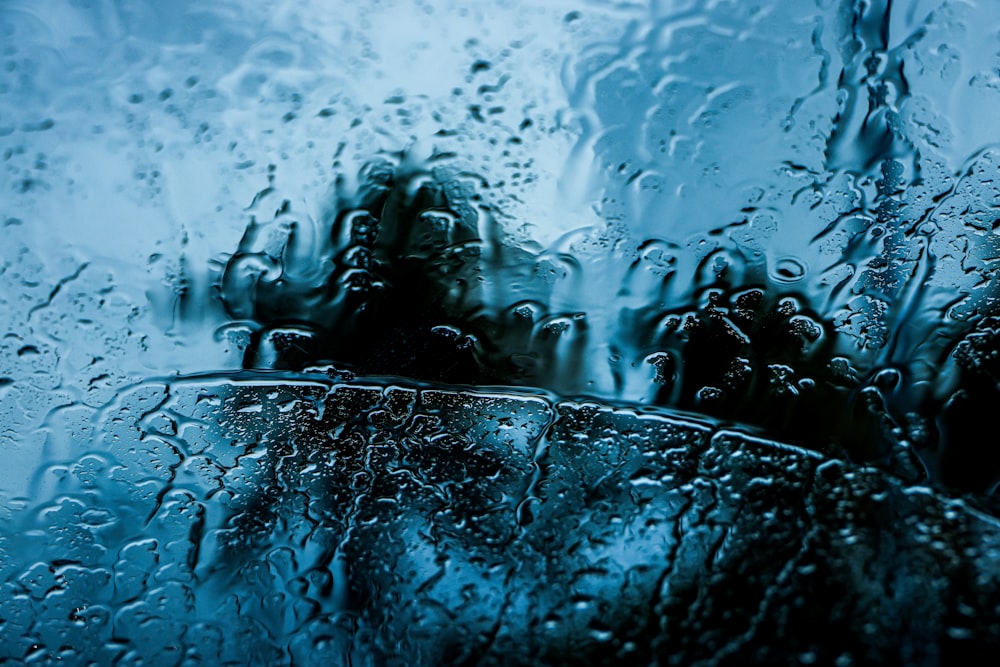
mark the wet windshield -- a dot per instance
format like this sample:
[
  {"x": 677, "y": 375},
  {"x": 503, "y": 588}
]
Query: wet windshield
[{"x": 516, "y": 333}]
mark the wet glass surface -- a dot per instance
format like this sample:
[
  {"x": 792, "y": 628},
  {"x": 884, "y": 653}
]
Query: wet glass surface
[{"x": 518, "y": 333}]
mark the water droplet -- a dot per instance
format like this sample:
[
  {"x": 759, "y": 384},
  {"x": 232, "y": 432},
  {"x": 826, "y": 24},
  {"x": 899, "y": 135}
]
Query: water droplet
[{"x": 788, "y": 270}]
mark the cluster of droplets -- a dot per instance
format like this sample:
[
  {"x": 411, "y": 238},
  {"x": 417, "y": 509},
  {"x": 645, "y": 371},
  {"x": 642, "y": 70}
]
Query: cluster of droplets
[
  {"x": 407, "y": 274},
  {"x": 410, "y": 274}
]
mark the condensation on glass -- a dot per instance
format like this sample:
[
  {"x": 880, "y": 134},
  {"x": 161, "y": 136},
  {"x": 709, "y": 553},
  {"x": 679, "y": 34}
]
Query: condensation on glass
[{"x": 526, "y": 333}]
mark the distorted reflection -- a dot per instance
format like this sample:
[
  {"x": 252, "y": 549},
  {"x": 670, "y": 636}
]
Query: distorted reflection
[{"x": 554, "y": 333}]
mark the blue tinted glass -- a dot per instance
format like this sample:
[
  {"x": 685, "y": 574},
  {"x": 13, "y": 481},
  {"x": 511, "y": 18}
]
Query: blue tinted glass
[{"x": 448, "y": 332}]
